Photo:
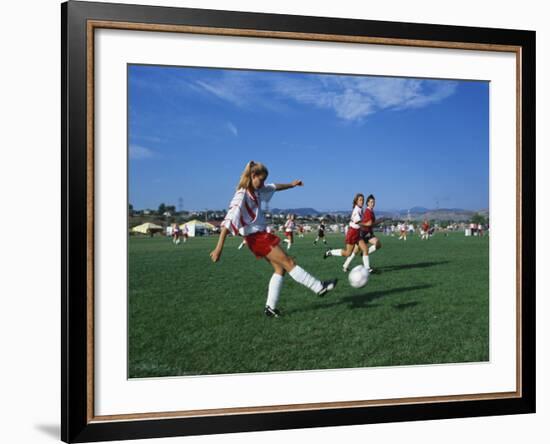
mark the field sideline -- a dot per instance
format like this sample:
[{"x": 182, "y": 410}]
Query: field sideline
[{"x": 427, "y": 303}]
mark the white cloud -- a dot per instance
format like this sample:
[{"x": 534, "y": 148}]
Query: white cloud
[
  {"x": 140, "y": 152},
  {"x": 352, "y": 105},
  {"x": 350, "y": 98},
  {"x": 232, "y": 128},
  {"x": 227, "y": 91},
  {"x": 353, "y": 98}
]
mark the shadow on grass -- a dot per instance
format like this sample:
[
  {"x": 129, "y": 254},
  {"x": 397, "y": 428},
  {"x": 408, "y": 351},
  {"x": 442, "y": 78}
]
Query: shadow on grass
[
  {"x": 405, "y": 305},
  {"x": 365, "y": 300},
  {"x": 380, "y": 270}
]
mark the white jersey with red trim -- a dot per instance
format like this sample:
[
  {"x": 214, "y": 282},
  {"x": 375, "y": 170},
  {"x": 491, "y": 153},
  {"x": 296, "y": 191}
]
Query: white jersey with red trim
[
  {"x": 289, "y": 226},
  {"x": 245, "y": 215},
  {"x": 356, "y": 216}
]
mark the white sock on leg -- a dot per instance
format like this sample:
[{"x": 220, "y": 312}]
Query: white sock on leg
[
  {"x": 366, "y": 262},
  {"x": 335, "y": 252},
  {"x": 372, "y": 249},
  {"x": 348, "y": 260},
  {"x": 274, "y": 290},
  {"x": 303, "y": 277}
]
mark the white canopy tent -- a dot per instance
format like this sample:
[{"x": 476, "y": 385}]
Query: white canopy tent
[{"x": 197, "y": 228}]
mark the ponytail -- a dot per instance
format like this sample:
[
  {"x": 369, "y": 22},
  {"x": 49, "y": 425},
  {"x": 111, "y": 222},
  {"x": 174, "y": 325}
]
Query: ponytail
[{"x": 246, "y": 176}]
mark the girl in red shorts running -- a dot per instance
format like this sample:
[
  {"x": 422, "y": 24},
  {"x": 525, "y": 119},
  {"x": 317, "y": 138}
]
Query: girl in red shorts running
[
  {"x": 245, "y": 217},
  {"x": 353, "y": 234}
]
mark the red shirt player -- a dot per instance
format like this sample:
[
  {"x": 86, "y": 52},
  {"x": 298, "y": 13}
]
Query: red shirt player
[
  {"x": 366, "y": 230},
  {"x": 425, "y": 229},
  {"x": 367, "y": 226}
]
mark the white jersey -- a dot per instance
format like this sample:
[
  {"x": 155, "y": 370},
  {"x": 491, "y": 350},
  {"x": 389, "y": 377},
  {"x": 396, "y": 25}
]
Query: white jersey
[
  {"x": 245, "y": 215},
  {"x": 289, "y": 226},
  {"x": 356, "y": 216}
]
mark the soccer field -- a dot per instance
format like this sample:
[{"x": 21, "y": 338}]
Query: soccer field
[{"x": 426, "y": 303}]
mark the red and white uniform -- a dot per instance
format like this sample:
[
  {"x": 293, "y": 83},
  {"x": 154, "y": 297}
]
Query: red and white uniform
[
  {"x": 245, "y": 217},
  {"x": 289, "y": 228},
  {"x": 352, "y": 235},
  {"x": 425, "y": 227}
]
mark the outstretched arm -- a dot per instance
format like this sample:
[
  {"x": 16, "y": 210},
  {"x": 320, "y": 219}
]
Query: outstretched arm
[
  {"x": 286, "y": 186},
  {"x": 217, "y": 252}
]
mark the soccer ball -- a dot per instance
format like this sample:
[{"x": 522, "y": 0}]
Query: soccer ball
[{"x": 358, "y": 276}]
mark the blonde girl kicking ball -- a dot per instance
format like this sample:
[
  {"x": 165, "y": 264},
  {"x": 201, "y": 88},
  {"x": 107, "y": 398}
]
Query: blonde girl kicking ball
[{"x": 245, "y": 217}]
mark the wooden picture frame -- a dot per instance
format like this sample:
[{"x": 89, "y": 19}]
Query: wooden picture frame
[{"x": 80, "y": 20}]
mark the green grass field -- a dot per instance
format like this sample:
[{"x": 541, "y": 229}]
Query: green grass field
[{"x": 427, "y": 303}]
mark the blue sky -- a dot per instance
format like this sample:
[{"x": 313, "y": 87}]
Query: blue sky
[{"x": 410, "y": 142}]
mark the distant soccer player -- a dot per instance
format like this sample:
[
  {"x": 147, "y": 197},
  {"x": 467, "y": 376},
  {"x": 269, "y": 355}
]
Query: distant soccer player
[
  {"x": 402, "y": 231},
  {"x": 176, "y": 234},
  {"x": 366, "y": 233},
  {"x": 353, "y": 236},
  {"x": 425, "y": 233},
  {"x": 320, "y": 233},
  {"x": 289, "y": 231},
  {"x": 185, "y": 233},
  {"x": 245, "y": 217}
]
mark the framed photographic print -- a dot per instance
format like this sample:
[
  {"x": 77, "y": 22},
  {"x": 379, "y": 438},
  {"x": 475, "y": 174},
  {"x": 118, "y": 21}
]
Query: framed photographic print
[{"x": 275, "y": 221}]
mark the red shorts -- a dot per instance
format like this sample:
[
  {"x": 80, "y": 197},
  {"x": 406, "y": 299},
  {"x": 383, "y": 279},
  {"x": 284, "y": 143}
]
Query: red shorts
[
  {"x": 289, "y": 234},
  {"x": 262, "y": 243},
  {"x": 352, "y": 236}
]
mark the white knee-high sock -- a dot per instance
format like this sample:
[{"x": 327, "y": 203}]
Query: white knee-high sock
[
  {"x": 274, "y": 290},
  {"x": 366, "y": 261},
  {"x": 336, "y": 252},
  {"x": 348, "y": 260},
  {"x": 372, "y": 249},
  {"x": 303, "y": 277}
]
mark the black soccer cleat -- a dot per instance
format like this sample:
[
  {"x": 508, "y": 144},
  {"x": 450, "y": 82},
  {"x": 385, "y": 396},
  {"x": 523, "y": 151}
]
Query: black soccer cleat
[
  {"x": 271, "y": 312},
  {"x": 327, "y": 254},
  {"x": 327, "y": 286}
]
